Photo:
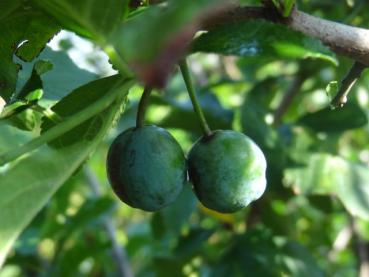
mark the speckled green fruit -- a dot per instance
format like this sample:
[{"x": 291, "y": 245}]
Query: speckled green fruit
[
  {"x": 146, "y": 168},
  {"x": 227, "y": 170}
]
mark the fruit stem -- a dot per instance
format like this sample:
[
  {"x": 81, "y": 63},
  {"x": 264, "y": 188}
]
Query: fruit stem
[
  {"x": 191, "y": 92},
  {"x": 142, "y": 106}
]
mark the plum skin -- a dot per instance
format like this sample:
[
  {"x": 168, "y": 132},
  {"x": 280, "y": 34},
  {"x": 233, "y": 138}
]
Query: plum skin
[
  {"x": 146, "y": 168},
  {"x": 227, "y": 170}
]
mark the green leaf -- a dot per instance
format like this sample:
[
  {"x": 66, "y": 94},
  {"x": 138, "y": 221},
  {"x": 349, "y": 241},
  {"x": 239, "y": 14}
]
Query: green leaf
[
  {"x": 27, "y": 184},
  {"x": 11, "y": 138},
  {"x": 253, "y": 252},
  {"x": 64, "y": 76},
  {"x": 299, "y": 261},
  {"x": 315, "y": 177},
  {"x": 350, "y": 116},
  {"x": 264, "y": 254},
  {"x": 172, "y": 219},
  {"x": 332, "y": 175},
  {"x": 190, "y": 245},
  {"x": 332, "y": 89},
  {"x": 8, "y": 6},
  {"x": 260, "y": 38},
  {"x": 253, "y": 123},
  {"x": 28, "y": 25},
  {"x": 288, "y": 5},
  {"x": 165, "y": 266},
  {"x": 26, "y": 120},
  {"x": 153, "y": 41},
  {"x": 75, "y": 102},
  {"x": 30, "y": 93},
  {"x": 355, "y": 193},
  {"x": 92, "y": 212},
  {"x": 144, "y": 36},
  {"x": 89, "y": 18}
]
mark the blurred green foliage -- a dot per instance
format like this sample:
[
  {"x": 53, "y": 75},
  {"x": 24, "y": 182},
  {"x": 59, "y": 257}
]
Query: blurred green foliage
[{"x": 316, "y": 206}]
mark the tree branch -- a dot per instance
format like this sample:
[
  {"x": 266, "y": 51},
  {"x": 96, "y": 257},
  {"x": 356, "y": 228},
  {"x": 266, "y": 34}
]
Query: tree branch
[
  {"x": 118, "y": 252},
  {"x": 361, "y": 247},
  {"x": 345, "y": 40},
  {"x": 288, "y": 97},
  {"x": 347, "y": 83}
]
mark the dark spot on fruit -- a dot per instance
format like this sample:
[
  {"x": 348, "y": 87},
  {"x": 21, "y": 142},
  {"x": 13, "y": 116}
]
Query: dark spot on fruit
[
  {"x": 160, "y": 199},
  {"x": 132, "y": 158}
]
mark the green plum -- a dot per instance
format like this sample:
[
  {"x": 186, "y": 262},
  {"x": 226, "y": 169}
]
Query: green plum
[
  {"x": 227, "y": 170},
  {"x": 146, "y": 168}
]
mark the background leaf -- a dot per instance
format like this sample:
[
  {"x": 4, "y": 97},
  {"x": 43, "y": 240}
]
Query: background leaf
[
  {"x": 332, "y": 175},
  {"x": 350, "y": 116},
  {"x": 259, "y": 38},
  {"x": 28, "y": 184},
  {"x": 21, "y": 25},
  {"x": 64, "y": 76}
]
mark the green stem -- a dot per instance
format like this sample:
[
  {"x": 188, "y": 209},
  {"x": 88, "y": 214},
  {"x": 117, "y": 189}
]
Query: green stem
[
  {"x": 142, "y": 106},
  {"x": 67, "y": 125},
  {"x": 48, "y": 113},
  {"x": 191, "y": 91},
  {"x": 346, "y": 85}
]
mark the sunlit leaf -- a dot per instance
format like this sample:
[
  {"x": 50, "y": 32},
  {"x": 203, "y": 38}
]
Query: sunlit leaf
[{"x": 332, "y": 175}]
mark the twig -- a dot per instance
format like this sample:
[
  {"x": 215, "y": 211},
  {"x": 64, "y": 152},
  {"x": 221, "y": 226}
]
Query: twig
[
  {"x": 118, "y": 251},
  {"x": 361, "y": 247},
  {"x": 347, "y": 83},
  {"x": 288, "y": 97}
]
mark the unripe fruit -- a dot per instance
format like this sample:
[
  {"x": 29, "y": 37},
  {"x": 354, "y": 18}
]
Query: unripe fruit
[
  {"x": 227, "y": 170},
  {"x": 146, "y": 168}
]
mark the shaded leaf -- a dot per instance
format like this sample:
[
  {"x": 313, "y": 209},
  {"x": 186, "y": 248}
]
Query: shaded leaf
[
  {"x": 92, "y": 212},
  {"x": 28, "y": 184},
  {"x": 92, "y": 19},
  {"x": 350, "y": 116},
  {"x": 191, "y": 244},
  {"x": 26, "y": 120},
  {"x": 254, "y": 125},
  {"x": 30, "y": 93},
  {"x": 11, "y": 137},
  {"x": 299, "y": 261},
  {"x": 173, "y": 218},
  {"x": 154, "y": 40},
  {"x": 259, "y": 38},
  {"x": 28, "y": 25},
  {"x": 75, "y": 102}
]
